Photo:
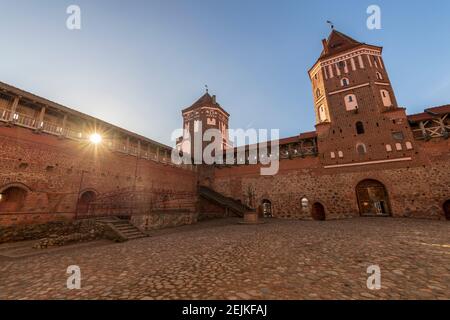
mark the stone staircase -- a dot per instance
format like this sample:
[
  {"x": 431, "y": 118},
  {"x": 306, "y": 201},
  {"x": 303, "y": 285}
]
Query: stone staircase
[
  {"x": 235, "y": 206},
  {"x": 124, "y": 229}
]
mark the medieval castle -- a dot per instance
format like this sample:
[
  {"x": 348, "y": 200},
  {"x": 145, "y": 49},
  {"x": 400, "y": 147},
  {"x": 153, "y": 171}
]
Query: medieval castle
[{"x": 367, "y": 157}]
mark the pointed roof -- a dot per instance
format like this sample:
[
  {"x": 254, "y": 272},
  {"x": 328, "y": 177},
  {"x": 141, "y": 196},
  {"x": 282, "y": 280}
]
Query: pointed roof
[
  {"x": 205, "y": 100},
  {"x": 338, "y": 42}
]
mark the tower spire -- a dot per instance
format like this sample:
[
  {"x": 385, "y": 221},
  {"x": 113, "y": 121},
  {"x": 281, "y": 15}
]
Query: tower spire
[
  {"x": 331, "y": 24},
  {"x": 206, "y": 87}
]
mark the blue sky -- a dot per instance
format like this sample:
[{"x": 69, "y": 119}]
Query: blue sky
[{"x": 136, "y": 64}]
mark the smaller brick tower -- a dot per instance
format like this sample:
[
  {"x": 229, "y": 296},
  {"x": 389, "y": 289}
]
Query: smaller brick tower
[
  {"x": 204, "y": 114},
  {"x": 358, "y": 120}
]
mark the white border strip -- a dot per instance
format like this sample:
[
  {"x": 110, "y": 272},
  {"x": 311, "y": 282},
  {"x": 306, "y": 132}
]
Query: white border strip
[
  {"x": 367, "y": 163},
  {"x": 350, "y": 88}
]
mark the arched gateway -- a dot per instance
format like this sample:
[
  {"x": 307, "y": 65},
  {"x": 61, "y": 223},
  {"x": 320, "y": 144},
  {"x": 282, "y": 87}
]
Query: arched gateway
[
  {"x": 83, "y": 203},
  {"x": 372, "y": 198},
  {"x": 447, "y": 209},
  {"x": 12, "y": 198},
  {"x": 318, "y": 211}
]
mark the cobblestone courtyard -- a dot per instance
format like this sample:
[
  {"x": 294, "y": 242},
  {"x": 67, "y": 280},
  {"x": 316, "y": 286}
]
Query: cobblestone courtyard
[{"x": 223, "y": 260}]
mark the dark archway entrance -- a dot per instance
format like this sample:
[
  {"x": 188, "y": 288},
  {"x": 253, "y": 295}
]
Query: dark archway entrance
[
  {"x": 267, "y": 208},
  {"x": 318, "y": 211},
  {"x": 373, "y": 198},
  {"x": 12, "y": 199},
  {"x": 83, "y": 204},
  {"x": 447, "y": 209}
]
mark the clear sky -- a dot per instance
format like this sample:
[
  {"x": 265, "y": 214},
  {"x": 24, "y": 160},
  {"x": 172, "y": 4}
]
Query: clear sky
[{"x": 136, "y": 64}]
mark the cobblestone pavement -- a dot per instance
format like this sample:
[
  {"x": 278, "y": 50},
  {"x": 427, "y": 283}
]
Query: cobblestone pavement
[{"x": 223, "y": 260}]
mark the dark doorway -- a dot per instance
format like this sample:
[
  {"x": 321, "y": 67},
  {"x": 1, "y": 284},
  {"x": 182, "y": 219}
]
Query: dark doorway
[
  {"x": 12, "y": 199},
  {"x": 373, "y": 198},
  {"x": 267, "y": 208},
  {"x": 447, "y": 209},
  {"x": 318, "y": 211},
  {"x": 85, "y": 200}
]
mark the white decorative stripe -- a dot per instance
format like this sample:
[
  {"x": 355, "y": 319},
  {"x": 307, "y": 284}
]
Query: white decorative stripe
[
  {"x": 370, "y": 62},
  {"x": 381, "y": 63},
  {"x": 320, "y": 99},
  {"x": 353, "y": 64},
  {"x": 361, "y": 63},
  {"x": 338, "y": 72},
  {"x": 382, "y": 84},
  {"x": 349, "y": 55},
  {"x": 351, "y": 88},
  {"x": 367, "y": 163}
]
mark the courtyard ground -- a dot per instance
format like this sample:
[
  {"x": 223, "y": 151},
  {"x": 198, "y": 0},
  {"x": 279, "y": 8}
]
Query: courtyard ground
[{"x": 224, "y": 260}]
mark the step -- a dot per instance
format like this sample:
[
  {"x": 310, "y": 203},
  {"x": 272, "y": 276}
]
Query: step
[
  {"x": 125, "y": 227},
  {"x": 136, "y": 237},
  {"x": 130, "y": 231}
]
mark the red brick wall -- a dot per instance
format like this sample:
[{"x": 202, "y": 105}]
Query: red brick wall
[
  {"x": 415, "y": 189},
  {"x": 51, "y": 168}
]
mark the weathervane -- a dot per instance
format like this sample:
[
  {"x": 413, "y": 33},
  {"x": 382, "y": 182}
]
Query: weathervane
[
  {"x": 331, "y": 24},
  {"x": 206, "y": 87}
]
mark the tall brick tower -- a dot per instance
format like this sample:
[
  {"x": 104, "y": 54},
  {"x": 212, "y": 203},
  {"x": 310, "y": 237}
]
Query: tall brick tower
[
  {"x": 206, "y": 113},
  {"x": 358, "y": 121}
]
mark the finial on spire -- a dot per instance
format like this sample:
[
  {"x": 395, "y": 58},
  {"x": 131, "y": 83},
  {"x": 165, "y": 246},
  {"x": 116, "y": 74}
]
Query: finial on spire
[
  {"x": 206, "y": 87},
  {"x": 331, "y": 24}
]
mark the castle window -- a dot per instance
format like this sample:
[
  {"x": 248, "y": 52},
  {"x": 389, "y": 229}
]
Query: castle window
[
  {"x": 332, "y": 155},
  {"x": 388, "y": 148},
  {"x": 318, "y": 93},
  {"x": 385, "y": 96},
  {"x": 361, "y": 149},
  {"x": 350, "y": 102},
  {"x": 340, "y": 154},
  {"x": 408, "y": 145},
  {"x": 344, "y": 82},
  {"x": 379, "y": 76},
  {"x": 359, "y": 127},
  {"x": 398, "y": 146},
  {"x": 322, "y": 114}
]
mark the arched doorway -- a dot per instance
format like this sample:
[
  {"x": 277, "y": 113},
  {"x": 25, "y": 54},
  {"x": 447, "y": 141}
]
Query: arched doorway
[
  {"x": 12, "y": 199},
  {"x": 85, "y": 199},
  {"x": 373, "y": 198},
  {"x": 267, "y": 208},
  {"x": 447, "y": 209},
  {"x": 318, "y": 211}
]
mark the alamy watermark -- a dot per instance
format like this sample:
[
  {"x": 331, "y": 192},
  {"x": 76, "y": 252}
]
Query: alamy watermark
[
  {"x": 208, "y": 147},
  {"x": 374, "y": 20},
  {"x": 73, "y": 21},
  {"x": 374, "y": 280},
  {"x": 74, "y": 280}
]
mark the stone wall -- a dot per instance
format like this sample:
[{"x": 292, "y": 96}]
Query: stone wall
[
  {"x": 416, "y": 189},
  {"x": 160, "y": 220},
  {"x": 55, "y": 230}
]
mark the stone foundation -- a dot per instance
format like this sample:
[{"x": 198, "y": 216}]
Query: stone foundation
[
  {"x": 154, "y": 221},
  {"x": 57, "y": 232}
]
